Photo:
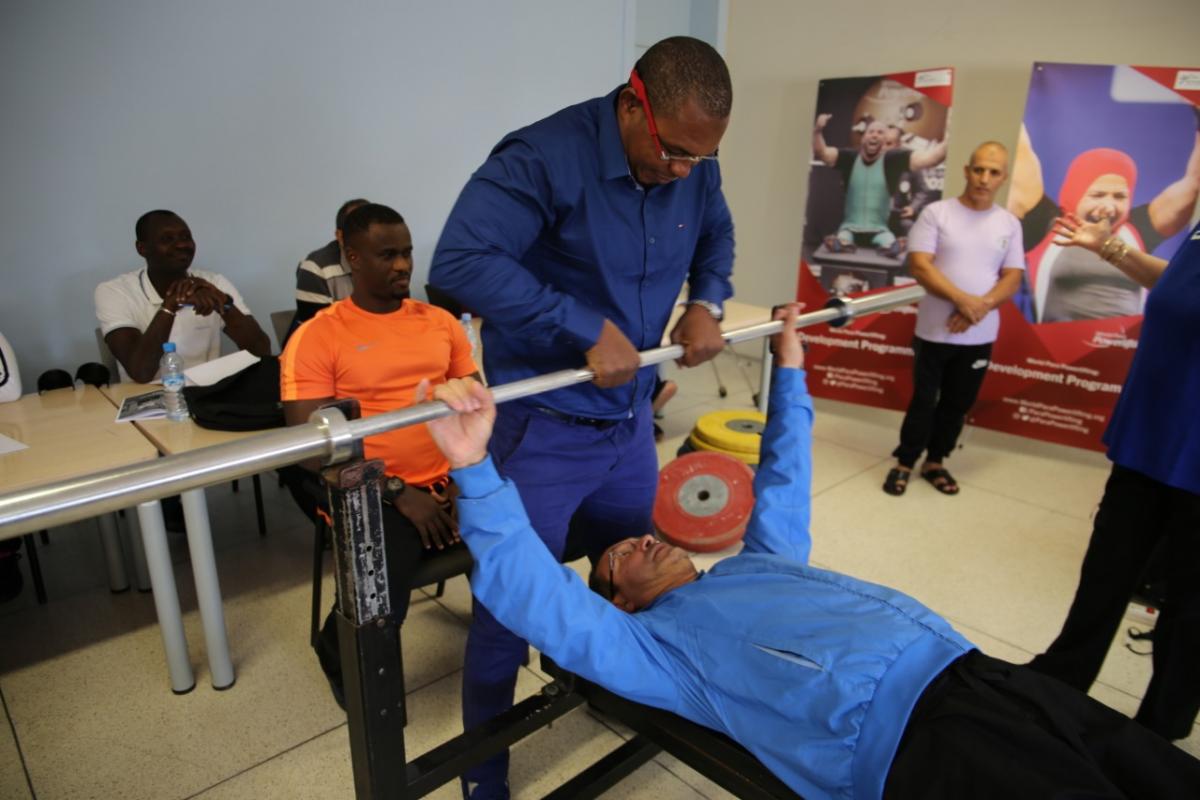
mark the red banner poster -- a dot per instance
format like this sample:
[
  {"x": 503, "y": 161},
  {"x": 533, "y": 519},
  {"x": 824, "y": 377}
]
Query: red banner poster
[{"x": 1104, "y": 142}]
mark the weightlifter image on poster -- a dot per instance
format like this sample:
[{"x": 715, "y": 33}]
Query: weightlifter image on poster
[
  {"x": 878, "y": 146},
  {"x": 1105, "y": 143}
]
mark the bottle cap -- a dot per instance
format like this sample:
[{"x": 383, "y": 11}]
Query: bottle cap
[
  {"x": 466, "y": 316},
  {"x": 168, "y": 347}
]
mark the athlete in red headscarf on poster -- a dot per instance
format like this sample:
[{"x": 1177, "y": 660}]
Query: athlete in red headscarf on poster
[{"x": 1065, "y": 284}]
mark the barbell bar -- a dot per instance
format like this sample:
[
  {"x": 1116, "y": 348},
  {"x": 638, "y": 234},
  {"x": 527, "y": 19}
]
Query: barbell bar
[{"x": 330, "y": 435}]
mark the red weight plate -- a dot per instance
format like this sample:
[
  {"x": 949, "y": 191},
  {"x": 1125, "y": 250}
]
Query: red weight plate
[{"x": 704, "y": 501}]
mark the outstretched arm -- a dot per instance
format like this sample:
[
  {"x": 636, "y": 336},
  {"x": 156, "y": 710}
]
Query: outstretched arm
[
  {"x": 1143, "y": 268},
  {"x": 929, "y": 157},
  {"x": 520, "y": 582},
  {"x": 1027, "y": 188},
  {"x": 821, "y": 151},
  {"x": 1171, "y": 211},
  {"x": 783, "y": 483}
]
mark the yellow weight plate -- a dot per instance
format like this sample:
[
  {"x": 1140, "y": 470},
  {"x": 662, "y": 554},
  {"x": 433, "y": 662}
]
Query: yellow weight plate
[
  {"x": 736, "y": 430},
  {"x": 745, "y": 458}
]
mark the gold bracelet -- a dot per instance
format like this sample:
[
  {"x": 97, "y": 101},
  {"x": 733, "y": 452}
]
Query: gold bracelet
[
  {"x": 1113, "y": 250},
  {"x": 1118, "y": 254}
]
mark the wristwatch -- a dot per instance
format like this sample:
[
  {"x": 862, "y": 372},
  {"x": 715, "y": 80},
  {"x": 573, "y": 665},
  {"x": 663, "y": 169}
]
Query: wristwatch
[
  {"x": 713, "y": 309},
  {"x": 392, "y": 488}
]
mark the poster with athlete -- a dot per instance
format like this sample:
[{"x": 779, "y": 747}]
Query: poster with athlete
[
  {"x": 1118, "y": 144},
  {"x": 1103, "y": 142},
  {"x": 878, "y": 148}
]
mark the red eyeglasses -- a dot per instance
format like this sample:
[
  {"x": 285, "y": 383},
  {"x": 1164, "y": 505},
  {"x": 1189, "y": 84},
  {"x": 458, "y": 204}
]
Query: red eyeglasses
[{"x": 639, "y": 89}]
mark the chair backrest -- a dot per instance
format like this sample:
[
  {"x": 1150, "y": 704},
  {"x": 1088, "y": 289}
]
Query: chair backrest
[
  {"x": 281, "y": 321},
  {"x": 107, "y": 358}
]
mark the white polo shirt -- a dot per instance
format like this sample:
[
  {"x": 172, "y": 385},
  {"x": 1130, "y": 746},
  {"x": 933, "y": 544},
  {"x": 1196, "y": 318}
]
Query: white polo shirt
[{"x": 130, "y": 301}]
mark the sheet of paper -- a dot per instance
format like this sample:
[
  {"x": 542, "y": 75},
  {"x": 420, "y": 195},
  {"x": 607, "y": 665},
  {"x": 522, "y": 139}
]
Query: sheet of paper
[
  {"x": 210, "y": 372},
  {"x": 8, "y": 445}
]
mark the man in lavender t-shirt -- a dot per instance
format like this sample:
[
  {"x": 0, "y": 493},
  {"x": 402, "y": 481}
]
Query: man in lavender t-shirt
[{"x": 967, "y": 253}]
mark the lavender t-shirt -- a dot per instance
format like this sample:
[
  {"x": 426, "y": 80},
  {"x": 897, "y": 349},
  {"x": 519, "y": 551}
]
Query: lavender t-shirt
[{"x": 970, "y": 248}]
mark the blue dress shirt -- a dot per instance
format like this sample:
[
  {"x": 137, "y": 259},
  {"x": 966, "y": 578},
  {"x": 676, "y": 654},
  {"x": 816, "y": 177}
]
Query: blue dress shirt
[
  {"x": 552, "y": 235},
  {"x": 814, "y": 672},
  {"x": 1154, "y": 428}
]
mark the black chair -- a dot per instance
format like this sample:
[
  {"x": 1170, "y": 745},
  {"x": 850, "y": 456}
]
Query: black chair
[
  {"x": 93, "y": 374},
  {"x": 53, "y": 379}
]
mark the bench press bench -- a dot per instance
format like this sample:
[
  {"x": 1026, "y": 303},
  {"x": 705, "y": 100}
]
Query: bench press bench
[{"x": 712, "y": 754}]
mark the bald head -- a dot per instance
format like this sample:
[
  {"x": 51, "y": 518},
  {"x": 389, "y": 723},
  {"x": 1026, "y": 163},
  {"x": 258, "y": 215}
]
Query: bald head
[
  {"x": 993, "y": 149},
  {"x": 986, "y": 172}
]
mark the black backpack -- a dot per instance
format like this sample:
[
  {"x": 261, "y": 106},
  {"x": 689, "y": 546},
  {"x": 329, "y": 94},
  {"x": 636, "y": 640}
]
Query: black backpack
[{"x": 244, "y": 401}]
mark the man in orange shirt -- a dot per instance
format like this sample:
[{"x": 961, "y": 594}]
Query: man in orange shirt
[{"x": 375, "y": 347}]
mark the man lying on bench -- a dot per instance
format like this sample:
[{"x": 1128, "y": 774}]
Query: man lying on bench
[{"x": 840, "y": 687}]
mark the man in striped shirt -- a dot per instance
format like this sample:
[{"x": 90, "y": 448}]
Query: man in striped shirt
[{"x": 323, "y": 277}]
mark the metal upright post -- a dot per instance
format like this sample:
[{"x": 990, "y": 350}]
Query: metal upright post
[
  {"x": 368, "y": 634},
  {"x": 764, "y": 379}
]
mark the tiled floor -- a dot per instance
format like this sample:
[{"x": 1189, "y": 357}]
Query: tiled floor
[{"x": 88, "y": 712}]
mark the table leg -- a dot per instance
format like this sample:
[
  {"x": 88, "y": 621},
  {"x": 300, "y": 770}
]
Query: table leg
[
  {"x": 114, "y": 557},
  {"x": 258, "y": 507},
  {"x": 141, "y": 574},
  {"x": 208, "y": 589},
  {"x": 35, "y": 568},
  {"x": 166, "y": 598}
]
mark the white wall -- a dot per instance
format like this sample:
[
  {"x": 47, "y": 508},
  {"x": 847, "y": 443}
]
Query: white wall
[
  {"x": 254, "y": 120},
  {"x": 655, "y": 20},
  {"x": 778, "y": 50}
]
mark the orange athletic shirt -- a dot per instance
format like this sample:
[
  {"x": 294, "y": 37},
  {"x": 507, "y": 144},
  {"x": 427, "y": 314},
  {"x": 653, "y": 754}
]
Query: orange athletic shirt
[{"x": 378, "y": 359}]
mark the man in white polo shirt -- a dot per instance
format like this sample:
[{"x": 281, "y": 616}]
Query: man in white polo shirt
[
  {"x": 166, "y": 301},
  {"x": 967, "y": 253}
]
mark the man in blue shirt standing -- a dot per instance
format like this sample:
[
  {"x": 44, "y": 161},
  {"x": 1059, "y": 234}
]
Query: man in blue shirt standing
[
  {"x": 842, "y": 688},
  {"x": 573, "y": 241}
]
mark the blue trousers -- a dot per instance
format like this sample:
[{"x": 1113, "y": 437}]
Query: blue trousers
[{"x": 599, "y": 482}]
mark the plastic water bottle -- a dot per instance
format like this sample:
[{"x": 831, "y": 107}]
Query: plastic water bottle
[
  {"x": 172, "y": 381},
  {"x": 471, "y": 336}
]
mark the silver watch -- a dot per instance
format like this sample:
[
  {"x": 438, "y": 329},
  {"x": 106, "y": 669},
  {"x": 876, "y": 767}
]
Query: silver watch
[{"x": 713, "y": 309}]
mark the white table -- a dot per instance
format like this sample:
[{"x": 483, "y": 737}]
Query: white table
[{"x": 70, "y": 433}]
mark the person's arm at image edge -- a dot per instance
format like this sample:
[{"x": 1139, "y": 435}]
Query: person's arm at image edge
[
  {"x": 1171, "y": 211},
  {"x": 1142, "y": 268}
]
